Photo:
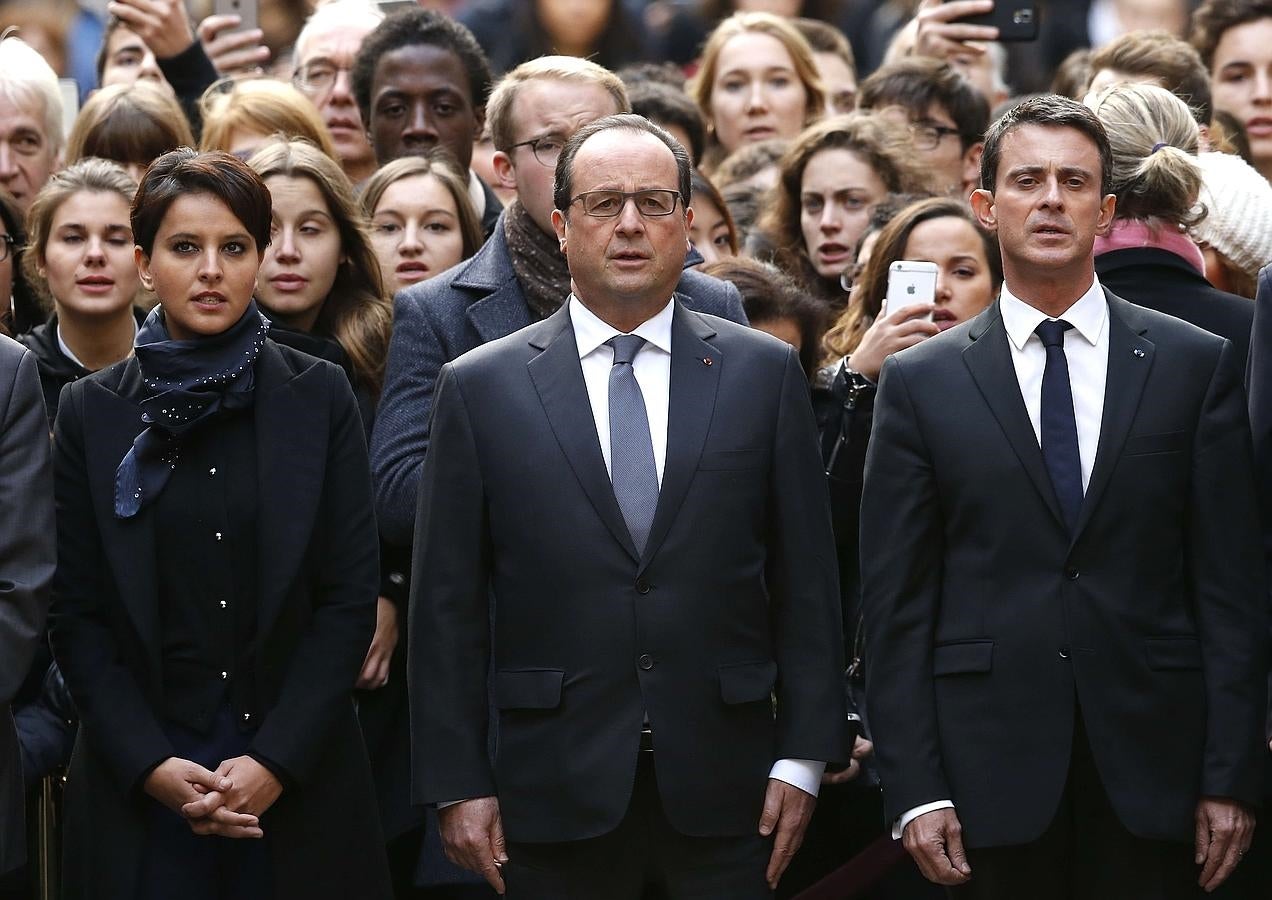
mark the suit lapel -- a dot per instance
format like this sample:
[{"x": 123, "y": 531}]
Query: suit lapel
[
  {"x": 290, "y": 418},
  {"x": 1130, "y": 361},
  {"x": 989, "y": 359},
  {"x": 692, "y": 403},
  {"x": 112, "y": 421},
  {"x": 558, "y": 378},
  {"x": 503, "y": 309}
]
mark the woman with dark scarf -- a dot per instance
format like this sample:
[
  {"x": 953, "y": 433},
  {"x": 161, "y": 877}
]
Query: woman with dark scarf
[{"x": 216, "y": 584}]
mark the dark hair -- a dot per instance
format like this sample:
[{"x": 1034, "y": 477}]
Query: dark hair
[
  {"x": 412, "y": 28},
  {"x": 128, "y": 123},
  {"x": 769, "y": 294},
  {"x": 667, "y": 73},
  {"x": 870, "y": 287},
  {"x": 617, "y": 43},
  {"x": 701, "y": 184},
  {"x": 749, "y": 160},
  {"x": 664, "y": 106},
  {"x": 563, "y": 186},
  {"x": 27, "y": 311},
  {"x": 917, "y": 83},
  {"x": 185, "y": 171},
  {"x": 1214, "y": 17},
  {"x": 1161, "y": 55},
  {"x": 1049, "y": 111},
  {"x": 1072, "y": 76},
  {"x": 826, "y": 38},
  {"x": 113, "y": 24}
]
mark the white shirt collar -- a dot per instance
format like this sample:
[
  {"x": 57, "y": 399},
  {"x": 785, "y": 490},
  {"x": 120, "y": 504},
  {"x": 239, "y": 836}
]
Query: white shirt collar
[
  {"x": 1088, "y": 315},
  {"x": 477, "y": 194},
  {"x": 590, "y": 332}
]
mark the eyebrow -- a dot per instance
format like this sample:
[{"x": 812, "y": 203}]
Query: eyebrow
[
  {"x": 766, "y": 70},
  {"x": 114, "y": 226},
  {"x": 190, "y": 236},
  {"x": 1063, "y": 171}
]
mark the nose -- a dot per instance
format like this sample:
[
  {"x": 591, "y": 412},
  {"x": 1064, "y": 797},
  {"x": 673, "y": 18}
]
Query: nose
[
  {"x": 756, "y": 101},
  {"x": 285, "y": 246},
  {"x": 1262, "y": 87},
  {"x": 8, "y": 168},
  {"x": 210, "y": 266},
  {"x": 95, "y": 251},
  {"x": 419, "y": 127},
  {"x": 629, "y": 220},
  {"x": 150, "y": 69},
  {"x": 342, "y": 87},
  {"x": 830, "y": 223},
  {"x": 412, "y": 239},
  {"x": 944, "y": 290},
  {"x": 1052, "y": 196}
]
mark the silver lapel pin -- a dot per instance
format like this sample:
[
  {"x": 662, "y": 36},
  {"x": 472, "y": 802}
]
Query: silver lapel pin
[{"x": 1138, "y": 352}]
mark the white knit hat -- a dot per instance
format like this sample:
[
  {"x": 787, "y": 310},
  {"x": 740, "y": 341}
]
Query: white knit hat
[{"x": 1239, "y": 211}]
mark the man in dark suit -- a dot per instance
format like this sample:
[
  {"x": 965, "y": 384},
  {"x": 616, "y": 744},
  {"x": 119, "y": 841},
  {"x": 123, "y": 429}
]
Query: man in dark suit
[
  {"x": 27, "y": 546},
  {"x": 518, "y": 277},
  {"x": 1063, "y": 585},
  {"x": 639, "y": 488}
]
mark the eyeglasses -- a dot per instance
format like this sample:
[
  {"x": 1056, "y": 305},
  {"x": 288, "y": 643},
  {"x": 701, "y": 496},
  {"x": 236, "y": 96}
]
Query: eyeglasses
[
  {"x": 609, "y": 204},
  {"x": 6, "y": 242},
  {"x": 546, "y": 149},
  {"x": 318, "y": 77},
  {"x": 928, "y": 135}
]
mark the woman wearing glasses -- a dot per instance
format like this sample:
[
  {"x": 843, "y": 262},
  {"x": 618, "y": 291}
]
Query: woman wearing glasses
[
  {"x": 831, "y": 178},
  {"x": 215, "y": 593},
  {"x": 422, "y": 218}
]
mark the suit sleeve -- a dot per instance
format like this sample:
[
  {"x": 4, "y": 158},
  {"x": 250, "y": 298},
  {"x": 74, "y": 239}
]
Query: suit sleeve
[
  {"x": 343, "y": 573},
  {"x": 1225, "y": 566},
  {"x": 27, "y": 536},
  {"x": 804, "y": 588},
  {"x": 400, "y": 439},
  {"x": 114, "y": 714},
  {"x": 901, "y": 553},
  {"x": 448, "y": 654},
  {"x": 1259, "y": 382}
]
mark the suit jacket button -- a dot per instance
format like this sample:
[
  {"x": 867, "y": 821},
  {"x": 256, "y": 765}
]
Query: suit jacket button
[
  {"x": 646, "y": 662},
  {"x": 642, "y": 586},
  {"x": 1064, "y": 652},
  {"x": 1071, "y": 573}
]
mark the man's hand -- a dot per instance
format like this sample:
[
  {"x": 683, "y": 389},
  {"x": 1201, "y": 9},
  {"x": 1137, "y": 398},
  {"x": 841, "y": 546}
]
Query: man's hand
[
  {"x": 938, "y": 34},
  {"x": 473, "y": 838},
  {"x": 935, "y": 840},
  {"x": 375, "y": 668},
  {"x": 787, "y": 810},
  {"x": 178, "y": 783},
  {"x": 1225, "y": 829},
  {"x": 230, "y": 51},
  {"x": 897, "y": 330},
  {"x": 161, "y": 24},
  {"x": 861, "y": 748}
]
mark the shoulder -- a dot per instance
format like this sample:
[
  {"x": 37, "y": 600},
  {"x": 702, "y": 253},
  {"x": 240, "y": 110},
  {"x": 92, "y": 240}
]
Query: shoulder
[
  {"x": 1162, "y": 329},
  {"x": 11, "y": 354}
]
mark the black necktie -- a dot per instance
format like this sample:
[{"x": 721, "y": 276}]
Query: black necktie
[{"x": 1059, "y": 427}]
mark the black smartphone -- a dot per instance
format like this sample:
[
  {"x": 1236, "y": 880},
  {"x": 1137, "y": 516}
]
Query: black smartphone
[{"x": 1014, "y": 21}]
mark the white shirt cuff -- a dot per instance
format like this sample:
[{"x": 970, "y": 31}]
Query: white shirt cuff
[
  {"x": 805, "y": 774},
  {"x": 898, "y": 827}
]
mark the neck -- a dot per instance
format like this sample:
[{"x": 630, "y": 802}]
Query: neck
[
  {"x": 625, "y": 315},
  {"x": 359, "y": 170},
  {"x": 300, "y": 322},
  {"x": 97, "y": 341},
  {"x": 1050, "y": 292}
]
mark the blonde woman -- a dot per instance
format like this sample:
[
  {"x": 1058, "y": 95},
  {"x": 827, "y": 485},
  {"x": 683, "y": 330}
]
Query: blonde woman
[{"x": 240, "y": 117}]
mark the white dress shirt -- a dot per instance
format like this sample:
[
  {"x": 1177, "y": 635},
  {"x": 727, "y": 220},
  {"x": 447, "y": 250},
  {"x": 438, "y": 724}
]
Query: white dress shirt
[
  {"x": 652, "y": 367},
  {"x": 1086, "y": 348}
]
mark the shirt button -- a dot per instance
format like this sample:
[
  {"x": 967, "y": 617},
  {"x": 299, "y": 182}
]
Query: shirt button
[
  {"x": 1071, "y": 573},
  {"x": 217, "y": 535},
  {"x": 225, "y": 675},
  {"x": 247, "y": 717},
  {"x": 224, "y": 604},
  {"x": 642, "y": 586},
  {"x": 1064, "y": 652},
  {"x": 646, "y": 662}
]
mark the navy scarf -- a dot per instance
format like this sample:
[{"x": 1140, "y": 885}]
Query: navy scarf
[{"x": 187, "y": 382}]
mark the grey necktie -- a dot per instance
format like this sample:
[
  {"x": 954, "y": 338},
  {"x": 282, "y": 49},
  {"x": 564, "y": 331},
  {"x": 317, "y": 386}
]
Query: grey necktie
[{"x": 632, "y": 469}]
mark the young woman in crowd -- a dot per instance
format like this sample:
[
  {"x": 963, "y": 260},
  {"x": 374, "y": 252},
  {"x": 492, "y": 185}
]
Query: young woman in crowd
[
  {"x": 713, "y": 233},
  {"x": 1148, "y": 256},
  {"x": 832, "y": 177},
  {"x": 757, "y": 81},
  {"x": 320, "y": 277},
  {"x": 240, "y": 117},
  {"x": 132, "y": 125},
  {"x": 422, "y": 218},
  {"x": 80, "y": 259},
  {"x": 216, "y": 581}
]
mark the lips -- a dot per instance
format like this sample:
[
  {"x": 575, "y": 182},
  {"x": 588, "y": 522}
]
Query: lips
[
  {"x": 96, "y": 284},
  {"x": 289, "y": 282},
  {"x": 209, "y": 298},
  {"x": 759, "y": 132},
  {"x": 629, "y": 257},
  {"x": 412, "y": 271},
  {"x": 832, "y": 252},
  {"x": 342, "y": 123},
  {"x": 944, "y": 318},
  {"x": 1259, "y": 126}
]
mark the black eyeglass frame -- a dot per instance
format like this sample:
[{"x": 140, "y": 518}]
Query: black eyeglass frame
[{"x": 534, "y": 143}]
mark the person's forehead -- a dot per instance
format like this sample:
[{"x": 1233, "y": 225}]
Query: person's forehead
[
  {"x": 544, "y": 104},
  {"x": 120, "y": 38},
  {"x": 1035, "y": 144},
  {"x": 422, "y": 67},
  {"x": 608, "y": 157},
  {"x": 21, "y": 110},
  {"x": 338, "y": 41}
]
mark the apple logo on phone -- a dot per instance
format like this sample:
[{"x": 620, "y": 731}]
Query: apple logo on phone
[{"x": 910, "y": 289}]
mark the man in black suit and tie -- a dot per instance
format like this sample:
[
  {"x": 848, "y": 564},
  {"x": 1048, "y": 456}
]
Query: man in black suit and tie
[
  {"x": 1063, "y": 582},
  {"x": 639, "y": 488}
]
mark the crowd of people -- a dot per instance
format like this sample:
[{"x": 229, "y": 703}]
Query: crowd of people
[{"x": 465, "y": 448}]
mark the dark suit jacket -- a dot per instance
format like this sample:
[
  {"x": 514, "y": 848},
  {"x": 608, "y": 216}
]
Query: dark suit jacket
[
  {"x": 986, "y": 619},
  {"x": 1259, "y": 387},
  {"x": 1160, "y": 280},
  {"x": 26, "y": 566},
  {"x": 316, "y": 594},
  {"x": 735, "y": 596},
  {"x": 442, "y": 319}
]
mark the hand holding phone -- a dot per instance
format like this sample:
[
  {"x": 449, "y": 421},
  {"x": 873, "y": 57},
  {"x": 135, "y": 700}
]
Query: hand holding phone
[
  {"x": 942, "y": 30},
  {"x": 162, "y": 25},
  {"x": 1015, "y": 20},
  {"x": 909, "y": 282},
  {"x": 231, "y": 39}
]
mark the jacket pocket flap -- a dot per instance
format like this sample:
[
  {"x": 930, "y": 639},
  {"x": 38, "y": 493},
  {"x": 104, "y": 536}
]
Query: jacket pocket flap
[
  {"x": 733, "y": 459},
  {"x": 747, "y": 682},
  {"x": 528, "y": 688},
  {"x": 1164, "y": 442},
  {"x": 1173, "y": 653},
  {"x": 964, "y": 656}
]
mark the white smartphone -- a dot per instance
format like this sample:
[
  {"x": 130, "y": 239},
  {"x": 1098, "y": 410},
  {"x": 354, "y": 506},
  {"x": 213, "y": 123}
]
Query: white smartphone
[
  {"x": 909, "y": 282},
  {"x": 244, "y": 9}
]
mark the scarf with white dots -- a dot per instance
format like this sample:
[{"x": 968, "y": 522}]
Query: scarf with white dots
[{"x": 187, "y": 382}]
